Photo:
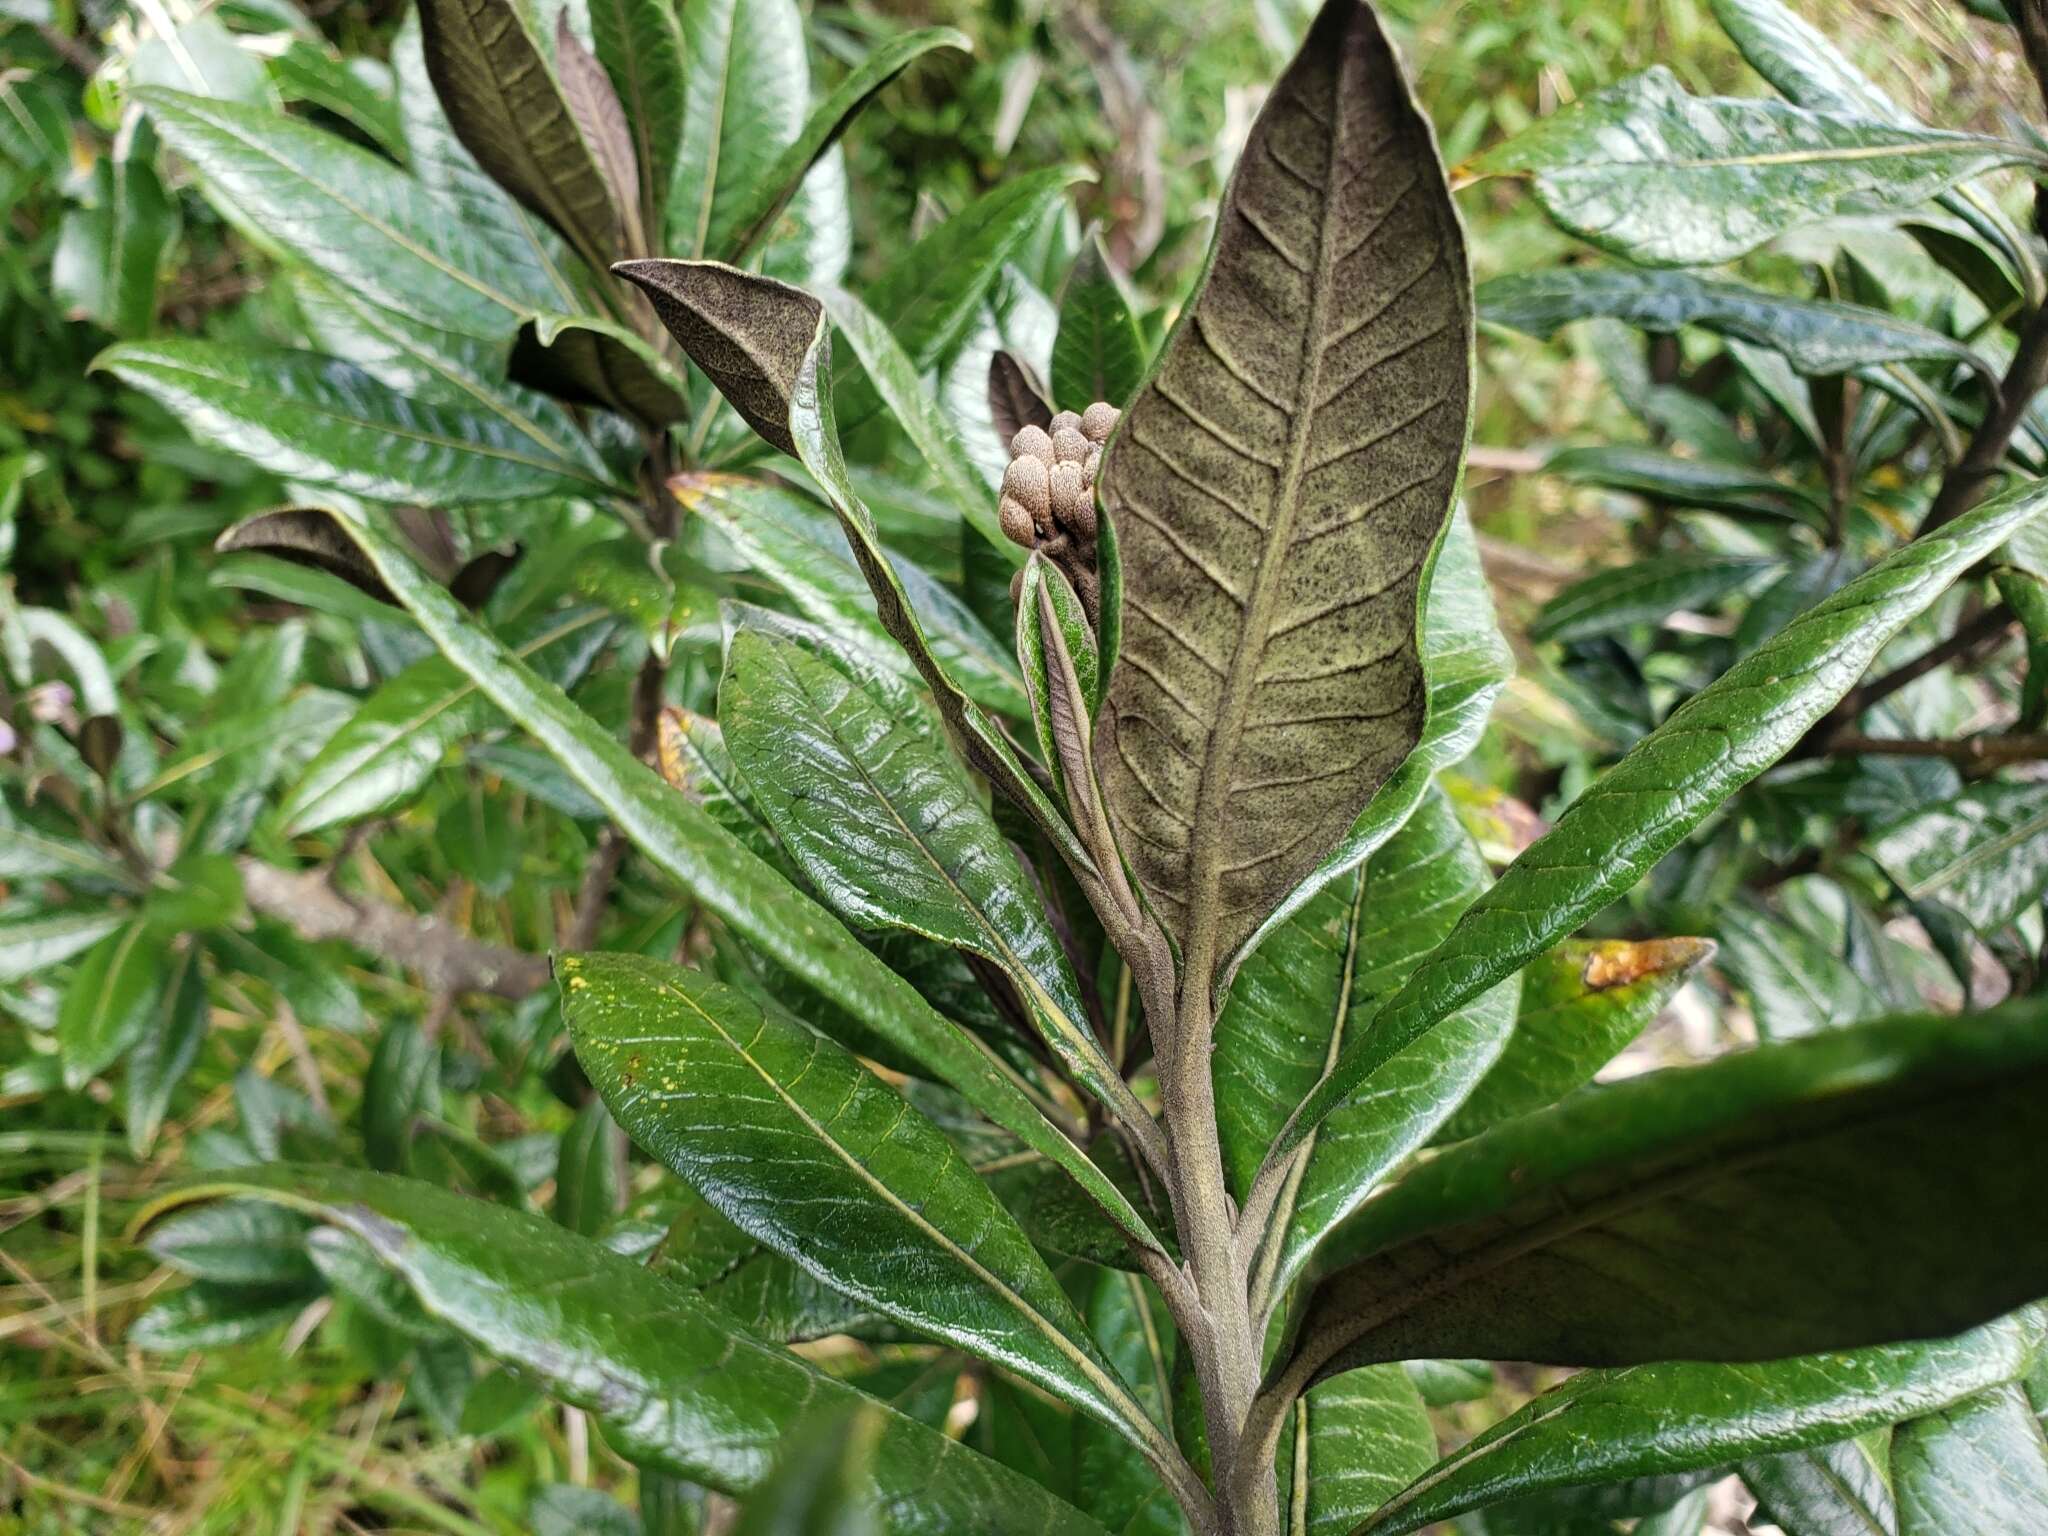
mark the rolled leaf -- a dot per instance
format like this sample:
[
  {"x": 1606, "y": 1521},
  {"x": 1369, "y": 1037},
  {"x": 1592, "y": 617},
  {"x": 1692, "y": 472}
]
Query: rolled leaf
[
  {"x": 677, "y": 1387},
  {"x": 1279, "y": 488}
]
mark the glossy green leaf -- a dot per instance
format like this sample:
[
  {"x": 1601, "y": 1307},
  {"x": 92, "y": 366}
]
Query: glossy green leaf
[
  {"x": 358, "y": 91},
  {"x": 1984, "y": 853},
  {"x": 1645, "y": 805},
  {"x": 1359, "y": 1440},
  {"x": 1815, "y": 336},
  {"x": 206, "y": 1316},
  {"x": 164, "y": 1052},
  {"x": 677, "y": 1387},
  {"x": 758, "y": 205},
  {"x": 1688, "y": 482},
  {"x": 803, "y": 1148},
  {"x": 397, "y": 740},
  {"x": 28, "y": 853},
  {"x": 1581, "y": 1004},
  {"x": 1295, "y": 1003},
  {"x": 109, "y": 255},
  {"x": 1664, "y": 178},
  {"x": 235, "y": 1242},
  {"x": 403, "y": 1082},
  {"x": 1975, "y": 1468},
  {"x": 1040, "y": 639},
  {"x": 111, "y": 1001},
  {"x": 1467, "y": 661},
  {"x": 1682, "y": 1416},
  {"x": 590, "y": 1173},
  {"x": 1864, "y": 1185},
  {"x": 349, "y": 214},
  {"x": 869, "y": 800},
  {"x": 1645, "y": 592},
  {"x": 797, "y": 544},
  {"x": 818, "y": 1489},
  {"x": 1098, "y": 352},
  {"x": 325, "y": 422},
  {"x": 505, "y": 102},
  {"x": 774, "y": 1299},
  {"x": 1280, "y": 487},
  {"x": 1799, "y": 980},
  {"x": 640, "y": 44},
  {"x": 1135, "y": 1334},
  {"x": 32, "y": 944},
  {"x": 584, "y": 358},
  {"x": 1832, "y": 1490},
  {"x": 1444, "y": 1382},
  {"x": 689, "y": 846},
  {"x": 747, "y": 85}
]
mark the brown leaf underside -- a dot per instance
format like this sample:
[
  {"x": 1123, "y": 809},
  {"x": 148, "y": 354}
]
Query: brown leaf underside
[{"x": 1277, "y": 489}]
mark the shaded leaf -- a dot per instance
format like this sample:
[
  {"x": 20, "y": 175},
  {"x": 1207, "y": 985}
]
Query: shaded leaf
[
  {"x": 640, "y": 44},
  {"x": 1644, "y": 592},
  {"x": 1360, "y": 1439},
  {"x": 1984, "y": 853},
  {"x": 1832, "y": 1490},
  {"x": 111, "y": 1001},
  {"x": 1976, "y": 1468},
  {"x": 1098, "y": 352},
  {"x": 583, "y": 358}
]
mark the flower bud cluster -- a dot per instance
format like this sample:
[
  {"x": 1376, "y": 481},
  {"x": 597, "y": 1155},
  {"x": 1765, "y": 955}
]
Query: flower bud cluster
[{"x": 1048, "y": 501}]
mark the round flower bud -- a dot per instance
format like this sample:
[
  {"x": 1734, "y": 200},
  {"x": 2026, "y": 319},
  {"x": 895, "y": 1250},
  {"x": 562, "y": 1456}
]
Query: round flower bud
[
  {"x": 1070, "y": 494},
  {"x": 1081, "y": 520},
  {"x": 1032, "y": 443},
  {"x": 1025, "y": 481},
  {"x": 1018, "y": 525},
  {"x": 1099, "y": 420},
  {"x": 1070, "y": 419},
  {"x": 1069, "y": 446},
  {"x": 1092, "y": 465}
]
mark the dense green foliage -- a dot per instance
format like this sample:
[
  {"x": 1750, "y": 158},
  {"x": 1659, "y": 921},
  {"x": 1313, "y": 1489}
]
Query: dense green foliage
[{"x": 796, "y": 768}]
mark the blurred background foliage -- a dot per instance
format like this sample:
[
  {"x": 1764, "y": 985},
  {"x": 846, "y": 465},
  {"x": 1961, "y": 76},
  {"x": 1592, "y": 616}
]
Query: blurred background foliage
[{"x": 325, "y": 1415}]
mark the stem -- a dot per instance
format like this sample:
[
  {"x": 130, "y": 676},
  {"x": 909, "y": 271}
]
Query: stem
[
  {"x": 1987, "y": 626},
  {"x": 1970, "y": 752}
]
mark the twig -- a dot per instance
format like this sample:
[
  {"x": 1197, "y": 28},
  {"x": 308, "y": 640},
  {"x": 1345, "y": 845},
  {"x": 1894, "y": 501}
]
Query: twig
[
  {"x": 1988, "y": 626},
  {"x": 442, "y": 958},
  {"x": 1988, "y": 751}
]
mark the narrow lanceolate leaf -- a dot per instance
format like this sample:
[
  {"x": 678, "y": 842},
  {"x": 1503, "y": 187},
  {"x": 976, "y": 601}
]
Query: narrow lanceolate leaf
[
  {"x": 677, "y": 1386},
  {"x": 804, "y": 1148},
  {"x": 352, "y": 216},
  {"x": 507, "y": 107},
  {"x": 1688, "y": 482},
  {"x": 767, "y": 347},
  {"x": 1581, "y": 1004},
  {"x": 1814, "y": 336},
  {"x": 109, "y": 255},
  {"x": 1467, "y": 661},
  {"x": 687, "y": 844},
  {"x": 164, "y": 1051},
  {"x": 1097, "y": 353},
  {"x": 1645, "y": 592},
  {"x": 1357, "y": 1441},
  {"x": 1864, "y": 1186},
  {"x": 1654, "y": 1420},
  {"x": 31, "y": 945},
  {"x": 325, "y": 422},
  {"x": 756, "y": 205},
  {"x": 1976, "y": 1468},
  {"x": 111, "y": 1000},
  {"x": 641, "y": 47},
  {"x": 595, "y": 108},
  {"x": 746, "y": 85},
  {"x": 868, "y": 798},
  {"x": 1650, "y": 801},
  {"x": 1279, "y": 488},
  {"x": 1321, "y": 975},
  {"x": 1984, "y": 853},
  {"x": 1664, "y": 178},
  {"x": 1832, "y": 1490}
]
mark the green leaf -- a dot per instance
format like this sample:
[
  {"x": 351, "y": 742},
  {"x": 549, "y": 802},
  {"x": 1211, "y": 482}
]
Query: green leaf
[
  {"x": 688, "y": 845},
  {"x": 1650, "y": 801},
  {"x": 111, "y": 1001},
  {"x": 1098, "y": 352},
  {"x": 758, "y": 205},
  {"x": 1645, "y": 592},
  {"x": 1866, "y": 1185},
  {"x": 799, "y": 546},
  {"x": 205, "y": 1316},
  {"x": 1816, "y": 337},
  {"x": 590, "y": 1173},
  {"x": 1688, "y": 482},
  {"x": 677, "y": 1387},
  {"x": 1798, "y": 980},
  {"x": 1653, "y": 1420},
  {"x": 1832, "y": 1490},
  {"x": 823, "y": 754},
  {"x": 1360, "y": 1439},
  {"x": 1581, "y": 1004},
  {"x": 1041, "y": 636},
  {"x": 351, "y": 215},
  {"x": 1445, "y": 1382},
  {"x": 806, "y": 1150},
  {"x": 164, "y": 1052},
  {"x": 1467, "y": 661},
  {"x": 1984, "y": 853},
  {"x": 1663, "y": 178},
  {"x": 747, "y": 84},
  {"x": 1301, "y": 995},
  {"x": 1134, "y": 1332},
  {"x": 403, "y": 1083},
  {"x": 506, "y": 105},
  {"x": 109, "y": 255},
  {"x": 33, "y": 944},
  {"x": 355, "y": 90},
  {"x": 768, "y": 349},
  {"x": 235, "y": 1242},
  {"x": 640, "y": 45},
  {"x": 324, "y": 422},
  {"x": 596, "y": 362},
  {"x": 402, "y": 733},
  {"x": 562, "y": 1509},
  {"x": 1280, "y": 487},
  {"x": 28, "y": 853},
  {"x": 774, "y": 1299},
  {"x": 1976, "y": 1468}
]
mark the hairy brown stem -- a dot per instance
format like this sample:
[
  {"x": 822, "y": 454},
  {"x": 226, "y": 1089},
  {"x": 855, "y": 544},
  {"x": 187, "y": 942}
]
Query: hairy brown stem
[
  {"x": 1988, "y": 626},
  {"x": 1970, "y": 476}
]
